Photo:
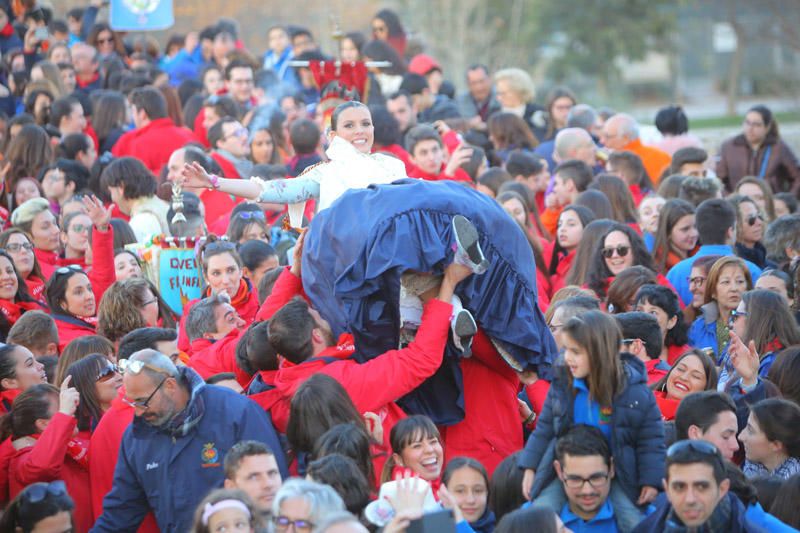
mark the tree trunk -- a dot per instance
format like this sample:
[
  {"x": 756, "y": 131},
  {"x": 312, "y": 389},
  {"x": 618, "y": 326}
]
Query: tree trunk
[{"x": 735, "y": 67}]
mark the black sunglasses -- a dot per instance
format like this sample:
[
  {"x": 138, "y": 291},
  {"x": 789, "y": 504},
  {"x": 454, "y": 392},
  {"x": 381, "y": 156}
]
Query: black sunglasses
[
  {"x": 38, "y": 491},
  {"x": 621, "y": 250},
  {"x": 107, "y": 372},
  {"x": 752, "y": 219}
]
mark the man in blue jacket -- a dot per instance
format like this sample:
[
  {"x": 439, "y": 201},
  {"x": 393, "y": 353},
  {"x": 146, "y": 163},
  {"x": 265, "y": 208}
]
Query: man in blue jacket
[
  {"x": 716, "y": 226},
  {"x": 172, "y": 455}
]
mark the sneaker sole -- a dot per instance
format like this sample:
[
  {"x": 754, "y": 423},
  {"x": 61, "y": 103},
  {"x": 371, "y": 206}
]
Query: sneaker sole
[{"x": 467, "y": 238}]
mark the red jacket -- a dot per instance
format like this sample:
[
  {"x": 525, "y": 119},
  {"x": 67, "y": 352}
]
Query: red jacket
[
  {"x": 228, "y": 169},
  {"x": 459, "y": 175},
  {"x": 154, "y": 143},
  {"x": 491, "y": 429},
  {"x": 104, "y": 446},
  {"x": 7, "y": 452},
  {"x": 245, "y": 304},
  {"x": 559, "y": 278},
  {"x": 217, "y": 204},
  {"x": 46, "y": 460},
  {"x": 36, "y": 288},
  {"x": 537, "y": 394},
  {"x": 673, "y": 352},
  {"x": 397, "y": 151},
  {"x": 101, "y": 272},
  {"x": 210, "y": 358}
]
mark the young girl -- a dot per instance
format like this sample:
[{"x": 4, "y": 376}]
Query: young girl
[
  {"x": 771, "y": 442},
  {"x": 675, "y": 236},
  {"x": 571, "y": 222},
  {"x": 468, "y": 483},
  {"x": 599, "y": 387},
  {"x": 226, "y": 510}
]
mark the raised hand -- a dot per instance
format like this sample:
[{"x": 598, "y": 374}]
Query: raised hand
[
  {"x": 297, "y": 255},
  {"x": 410, "y": 494},
  {"x": 195, "y": 176},
  {"x": 745, "y": 359},
  {"x": 100, "y": 215},
  {"x": 374, "y": 426},
  {"x": 68, "y": 398},
  {"x": 449, "y": 502}
]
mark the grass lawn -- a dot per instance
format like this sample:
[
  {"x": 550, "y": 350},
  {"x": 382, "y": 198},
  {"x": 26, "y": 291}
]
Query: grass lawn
[{"x": 726, "y": 121}]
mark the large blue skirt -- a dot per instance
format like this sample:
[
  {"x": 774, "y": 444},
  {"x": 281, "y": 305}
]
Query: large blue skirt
[{"x": 356, "y": 250}]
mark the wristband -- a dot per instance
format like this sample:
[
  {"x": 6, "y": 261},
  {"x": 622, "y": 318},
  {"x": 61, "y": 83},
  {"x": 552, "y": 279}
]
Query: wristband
[
  {"x": 214, "y": 179},
  {"x": 530, "y": 418}
]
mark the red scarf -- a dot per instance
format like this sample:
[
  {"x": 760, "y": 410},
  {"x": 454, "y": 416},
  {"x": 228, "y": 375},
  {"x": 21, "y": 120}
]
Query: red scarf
[
  {"x": 36, "y": 289},
  {"x": 14, "y": 310},
  {"x": 7, "y": 30},
  {"x": 77, "y": 449},
  {"x": 668, "y": 406},
  {"x": 400, "y": 471},
  {"x": 242, "y": 295},
  {"x": 7, "y": 398}
]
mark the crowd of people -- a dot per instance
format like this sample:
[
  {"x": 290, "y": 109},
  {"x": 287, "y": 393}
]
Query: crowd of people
[{"x": 483, "y": 310}]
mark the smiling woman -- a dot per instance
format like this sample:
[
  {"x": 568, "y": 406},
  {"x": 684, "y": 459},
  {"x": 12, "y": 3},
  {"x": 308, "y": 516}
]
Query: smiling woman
[{"x": 692, "y": 372}]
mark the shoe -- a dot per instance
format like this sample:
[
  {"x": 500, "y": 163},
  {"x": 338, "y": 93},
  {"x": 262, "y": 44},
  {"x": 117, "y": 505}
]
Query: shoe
[
  {"x": 464, "y": 329},
  {"x": 467, "y": 247}
]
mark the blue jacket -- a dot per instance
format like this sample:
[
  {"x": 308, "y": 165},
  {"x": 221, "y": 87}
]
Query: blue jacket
[
  {"x": 739, "y": 522},
  {"x": 170, "y": 476},
  {"x": 637, "y": 433},
  {"x": 679, "y": 274},
  {"x": 758, "y": 516},
  {"x": 703, "y": 331}
]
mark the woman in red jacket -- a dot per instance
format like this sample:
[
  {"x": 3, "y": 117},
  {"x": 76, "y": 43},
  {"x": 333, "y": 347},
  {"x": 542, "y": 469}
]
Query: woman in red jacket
[
  {"x": 560, "y": 254},
  {"x": 98, "y": 381},
  {"x": 694, "y": 371},
  {"x": 73, "y": 304},
  {"x": 221, "y": 267},
  {"x": 14, "y": 298},
  {"x": 35, "y": 218},
  {"x": 42, "y": 428},
  {"x": 416, "y": 447},
  {"x": 20, "y": 248},
  {"x": 19, "y": 370}
]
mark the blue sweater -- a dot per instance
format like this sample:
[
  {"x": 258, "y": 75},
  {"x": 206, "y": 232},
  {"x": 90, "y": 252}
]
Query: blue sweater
[{"x": 678, "y": 275}]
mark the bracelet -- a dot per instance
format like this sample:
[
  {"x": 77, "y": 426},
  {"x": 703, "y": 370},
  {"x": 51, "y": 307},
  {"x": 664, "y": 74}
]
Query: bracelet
[
  {"x": 214, "y": 179},
  {"x": 531, "y": 418}
]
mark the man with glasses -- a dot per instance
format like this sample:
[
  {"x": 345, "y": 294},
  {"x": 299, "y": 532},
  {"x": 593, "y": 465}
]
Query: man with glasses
[
  {"x": 239, "y": 82},
  {"x": 585, "y": 467},
  {"x": 230, "y": 147},
  {"x": 173, "y": 453},
  {"x": 697, "y": 497}
]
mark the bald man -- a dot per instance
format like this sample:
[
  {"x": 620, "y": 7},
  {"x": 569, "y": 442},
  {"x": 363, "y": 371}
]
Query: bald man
[
  {"x": 621, "y": 134},
  {"x": 172, "y": 454},
  {"x": 575, "y": 143}
]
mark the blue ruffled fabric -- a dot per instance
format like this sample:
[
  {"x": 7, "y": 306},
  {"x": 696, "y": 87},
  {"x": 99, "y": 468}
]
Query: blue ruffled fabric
[{"x": 356, "y": 250}]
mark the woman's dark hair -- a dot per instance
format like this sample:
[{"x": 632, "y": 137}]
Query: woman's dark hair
[
  {"x": 319, "y": 404},
  {"x": 22, "y": 288},
  {"x": 32, "y": 404},
  {"x": 456, "y": 463},
  {"x": 554, "y": 94},
  {"x": 30, "y": 103},
  {"x": 123, "y": 234},
  {"x": 709, "y": 367},
  {"x": 79, "y": 348},
  {"x": 509, "y": 131},
  {"x": 781, "y": 275},
  {"x": 785, "y": 507},
  {"x": 597, "y": 203},
  {"x": 787, "y": 198},
  {"x": 342, "y": 474},
  {"x": 352, "y": 104},
  {"x": 130, "y": 173},
  {"x": 378, "y": 50},
  {"x": 741, "y": 487},
  {"x": 766, "y": 192},
  {"x": 772, "y": 320},
  {"x": 357, "y": 38},
  {"x": 623, "y": 288},
  {"x": 593, "y": 233},
  {"x": 671, "y": 120},
  {"x": 24, "y": 514},
  {"x": 242, "y": 219},
  {"x": 666, "y": 300},
  {"x": 785, "y": 373},
  {"x": 27, "y": 153},
  {"x": 618, "y": 194},
  {"x": 213, "y": 247},
  {"x": 767, "y": 488},
  {"x": 769, "y": 122},
  {"x": 671, "y": 213},
  {"x": 276, "y": 155},
  {"x": 504, "y": 493},
  {"x": 99, "y": 27},
  {"x": 387, "y": 129},
  {"x": 8, "y": 363},
  {"x": 254, "y": 353},
  {"x": 109, "y": 114},
  {"x": 350, "y": 440},
  {"x": 599, "y": 273},
  {"x": 56, "y": 290},
  {"x": 404, "y": 433},
  {"x": 541, "y": 520},
  {"x": 392, "y": 21},
  {"x": 779, "y": 419},
  {"x": 254, "y": 253},
  {"x": 73, "y": 144},
  {"x": 585, "y": 215},
  {"x": 670, "y": 187},
  {"x": 84, "y": 374}
]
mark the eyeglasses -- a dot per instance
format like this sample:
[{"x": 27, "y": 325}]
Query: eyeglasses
[
  {"x": 622, "y": 251},
  {"x": 248, "y": 215},
  {"x": 108, "y": 372},
  {"x": 69, "y": 269},
  {"x": 145, "y": 404},
  {"x": 38, "y": 491},
  {"x": 734, "y": 315},
  {"x": 282, "y": 523},
  {"x": 56, "y": 175},
  {"x": 596, "y": 481},
  {"x": 697, "y": 446},
  {"x": 238, "y": 132},
  {"x": 697, "y": 280},
  {"x": 555, "y": 327},
  {"x": 631, "y": 341},
  {"x": 17, "y": 246},
  {"x": 752, "y": 219}
]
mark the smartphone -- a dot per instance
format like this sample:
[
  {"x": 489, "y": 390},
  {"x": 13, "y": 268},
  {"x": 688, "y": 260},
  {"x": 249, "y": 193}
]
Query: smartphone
[
  {"x": 433, "y": 522},
  {"x": 41, "y": 34}
]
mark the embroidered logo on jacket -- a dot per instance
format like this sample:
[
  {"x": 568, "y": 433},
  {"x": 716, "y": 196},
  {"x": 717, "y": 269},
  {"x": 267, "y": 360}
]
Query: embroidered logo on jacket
[{"x": 209, "y": 456}]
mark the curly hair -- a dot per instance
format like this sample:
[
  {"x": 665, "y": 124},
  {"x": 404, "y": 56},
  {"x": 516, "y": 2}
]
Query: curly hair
[{"x": 119, "y": 313}]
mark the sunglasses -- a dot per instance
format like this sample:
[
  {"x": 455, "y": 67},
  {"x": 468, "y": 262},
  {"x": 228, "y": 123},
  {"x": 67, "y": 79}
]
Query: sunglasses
[
  {"x": 622, "y": 251},
  {"x": 127, "y": 366},
  {"x": 17, "y": 246},
  {"x": 697, "y": 446},
  {"x": 249, "y": 215},
  {"x": 38, "y": 491},
  {"x": 752, "y": 219},
  {"x": 108, "y": 372},
  {"x": 69, "y": 269},
  {"x": 734, "y": 315}
]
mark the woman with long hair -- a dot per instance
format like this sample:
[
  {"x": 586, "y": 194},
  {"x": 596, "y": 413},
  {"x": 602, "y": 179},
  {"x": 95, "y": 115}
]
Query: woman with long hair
[
  {"x": 571, "y": 224},
  {"x": 27, "y": 154},
  {"x": 80, "y": 348},
  {"x": 727, "y": 281},
  {"x": 771, "y": 441},
  {"x": 97, "y": 380},
  {"x": 508, "y": 133},
  {"x": 106, "y": 41},
  {"x": 14, "y": 297},
  {"x": 19, "y": 371},
  {"x": 663, "y": 303},
  {"x": 750, "y": 227},
  {"x": 560, "y": 100},
  {"x": 468, "y": 483},
  {"x": 694, "y": 371},
  {"x": 593, "y": 233},
  {"x": 131, "y": 304},
  {"x": 759, "y": 151},
  {"x": 622, "y": 206},
  {"x": 109, "y": 118},
  {"x": 621, "y": 247},
  {"x": 386, "y": 26},
  {"x": 760, "y": 192},
  {"x": 676, "y": 236}
]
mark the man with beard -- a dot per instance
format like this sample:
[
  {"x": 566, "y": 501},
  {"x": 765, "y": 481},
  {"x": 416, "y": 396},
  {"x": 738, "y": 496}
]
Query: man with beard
[
  {"x": 584, "y": 466},
  {"x": 172, "y": 454}
]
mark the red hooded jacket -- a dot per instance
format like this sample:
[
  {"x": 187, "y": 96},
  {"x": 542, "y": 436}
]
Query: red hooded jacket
[
  {"x": 210, "y": 358},
  {"x": 154, "y": 143}
]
